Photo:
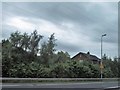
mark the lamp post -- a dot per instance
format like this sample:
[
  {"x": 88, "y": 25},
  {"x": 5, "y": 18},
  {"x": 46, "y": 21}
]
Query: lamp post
[{"x": 101, "y": 62}]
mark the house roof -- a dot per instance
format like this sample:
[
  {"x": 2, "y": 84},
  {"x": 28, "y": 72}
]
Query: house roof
[{"x": 87, "y": 55}]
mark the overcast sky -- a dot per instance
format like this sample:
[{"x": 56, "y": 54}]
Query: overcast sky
[{"x": 78, "y": 26}]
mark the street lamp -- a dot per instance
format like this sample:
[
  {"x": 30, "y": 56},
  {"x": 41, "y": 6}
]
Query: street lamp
[{"x": 101, "y": 62}]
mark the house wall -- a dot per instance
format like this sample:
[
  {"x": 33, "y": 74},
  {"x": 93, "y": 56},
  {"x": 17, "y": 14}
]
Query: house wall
[{"x": 82, "y": 57}]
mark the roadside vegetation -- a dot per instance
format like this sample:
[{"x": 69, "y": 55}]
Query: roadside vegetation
[{"x": 27, "y": 56}]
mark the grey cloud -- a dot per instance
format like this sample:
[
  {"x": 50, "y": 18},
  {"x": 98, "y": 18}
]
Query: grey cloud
[
  {"x": 57, "y": 11},
  {"x": 7, "y": 30},
  {"x": 71, "y": 48},
  {"x": 112, "y": 34},
  {"x": 91, "y": 19}
]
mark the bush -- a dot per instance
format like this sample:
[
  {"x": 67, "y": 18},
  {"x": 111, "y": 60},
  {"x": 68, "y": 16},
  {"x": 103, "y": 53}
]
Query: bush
[
  {"x": 68, "y": 69},
  {"x": 60, "y": 70}
]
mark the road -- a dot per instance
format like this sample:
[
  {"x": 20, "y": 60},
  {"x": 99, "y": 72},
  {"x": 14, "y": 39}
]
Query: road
[{"x": 62, "y": 86}]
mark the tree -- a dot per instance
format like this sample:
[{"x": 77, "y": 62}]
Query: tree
[
  {"x": 44, "y": 53},
  {"x": 62, "y": 57},
  {"x": 47, "y": 50},
  {"x": 25, "y": 41},
  {"x": 34, "y": 42},
  {"x": 51, "y": 46},
  {"x": 6, "y": 57},
  {"x": 15, "y": 39},
  {"x": 111, "y": 66},
  {"x": 20, "y": 59},
  {"x": 19, "y": 48}
]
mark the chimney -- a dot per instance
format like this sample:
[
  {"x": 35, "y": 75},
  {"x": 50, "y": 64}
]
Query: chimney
[{"x": 88, "y": 53}]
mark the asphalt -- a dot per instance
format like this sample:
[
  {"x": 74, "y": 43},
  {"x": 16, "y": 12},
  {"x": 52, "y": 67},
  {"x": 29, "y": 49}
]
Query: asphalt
[{"x": 62, "y": 86}]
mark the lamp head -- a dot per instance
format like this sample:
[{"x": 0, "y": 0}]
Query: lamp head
[{"x": 104, "y": 35}]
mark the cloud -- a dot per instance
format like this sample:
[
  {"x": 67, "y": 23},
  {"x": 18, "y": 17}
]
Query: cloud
[
  {"x": 77, "y": 26},
  {"x": 20, "y": 23}
]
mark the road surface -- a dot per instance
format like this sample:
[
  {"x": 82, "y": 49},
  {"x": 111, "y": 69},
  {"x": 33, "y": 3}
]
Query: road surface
[{"x": 62, "y": 86}]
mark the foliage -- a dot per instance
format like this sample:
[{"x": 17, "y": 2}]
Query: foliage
[
  {"x": 62, "y": 57},
  {"x": 47, "y": 50},
  {"x": 20, "y": 59},
  {"x": 111, "y": 66},
  {"x": 60, "y": 70}
]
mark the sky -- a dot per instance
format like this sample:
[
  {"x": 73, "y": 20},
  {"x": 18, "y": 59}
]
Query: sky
[{"x": 78, "y": 26}]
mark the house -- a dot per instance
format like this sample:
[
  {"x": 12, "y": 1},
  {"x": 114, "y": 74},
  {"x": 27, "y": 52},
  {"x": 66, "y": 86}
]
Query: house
[{"x": 86, "y": 57}]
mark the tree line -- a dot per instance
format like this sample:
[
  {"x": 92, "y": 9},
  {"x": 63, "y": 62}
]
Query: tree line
[{"x": 24, "y": 55}]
